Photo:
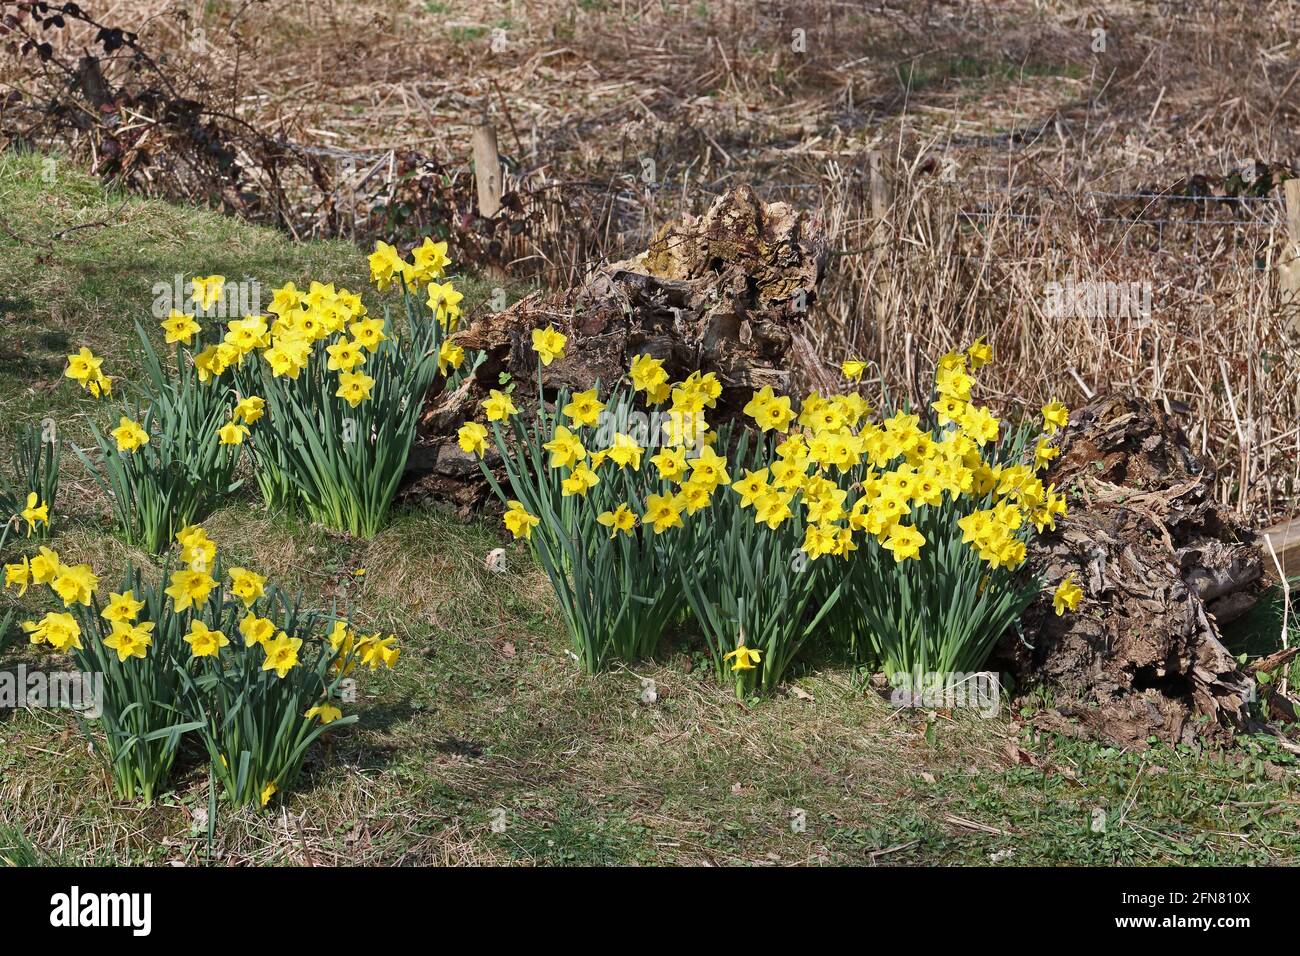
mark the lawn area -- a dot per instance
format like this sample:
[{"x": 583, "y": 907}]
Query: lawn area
[{"x": 486, "y": 745}]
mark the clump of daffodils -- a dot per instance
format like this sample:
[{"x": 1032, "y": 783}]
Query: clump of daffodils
[
  {"x": 925, "y": 513},
  {"x": 339, "y": 391},
  {"x": 216, "y": 652},
  {"x": 342, "y": 389}
]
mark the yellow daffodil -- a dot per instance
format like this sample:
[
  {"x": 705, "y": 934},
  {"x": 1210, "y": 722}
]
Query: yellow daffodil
[
  {"x": 695, "y": 496},
  {"x": 744, "y": 658},
  {"x": 326, "y": 713},
  {"x": 247, "y": 585},
  {"x": 472, "y": 438},
  {"x": 430, "y": 259},
  {"x": 621, "y": 519},
  {"x": 775, "y": 415},
  {"x": 772, "y": 508},
  {"x": 704, "y": 384},
  {"x": 59, "y": 630},
  {"x": 197, "y": 549},
  {"x": 122, "y": 608},
  {"x": 37, "y": 512},
  {"x": 180, "y": 327},
  {"x": 709, "y": 468},
  {"x": 206, "y": 290},
  {"x": 375, "y": 652},
  {"x": 203, "y": 641},
  {"x": 354, "y": 387},
  {"x": 751, "y": 486},
  {"x": 130, "y": 640},
  {"x": 583, "y": 409},
  {"x": 580, "y": 480},
  {"x": 548, "y": 343},
  {"x": 853, "y": 369},
  {"x": 980, "y": 354},
  {"x": 45, "y": 566},
  {"x": 1067, "y": 595},
  {"x": 344, "y": 355},
  {"x": 1044, "y": 452},
  {"x": 498, "y": 406},
  {"x": 450, "y": 356},
  {"x": 444, "y": 300},
  {"x": 385, "y": 265},
  {"x": 951, "y": 361},
  {"x": 904, "y": 542},
  {"x": 256, "y": 630},
  {"x": 341, "y": 638},
  {"x": 518, "y": 521},
  {"x": 208, "y": 364},
  {"x": 948, "y": 410},
  {"x": 99, "y": 385},
  {"x": 953, "y": 383},
  {"x": 189, "y": 589},
  {"x": 978, "y": 424},
  {"x": 269, "y": 791},
  {"x": 1055, "y": 416},
  {"x": 625, "y": 452},
  {"x": 648, "y": 374},
  {"x": 565, "y": 448},
  {"x": 285, "y": 300},
  {"x": 74, "y": 585},
  {"x": 281, "y": 654},
  {"x": 84, "y": 366},
  {"x": 662, "y": 512},
  {"x": 671, "y": 463},
  {"x": 788, "y": 474},
  {"x": 244, "y": 335},
  {"x": 368, "y": 333},
  {"x": 685, "y": 430},
  {"x": 249, "y": 409},
  {"x": 232, "y": 433},
  {"x": 129, "y": 435},
  {"x": 19, "y": 575}
]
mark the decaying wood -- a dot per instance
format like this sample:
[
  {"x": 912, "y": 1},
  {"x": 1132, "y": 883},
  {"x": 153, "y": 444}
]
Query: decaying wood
[
  {"x": 726, "y": 292},
  {"x": 1162, "y": 565}
]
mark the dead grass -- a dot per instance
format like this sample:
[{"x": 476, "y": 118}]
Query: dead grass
[{"x": 1006, "y": 109}]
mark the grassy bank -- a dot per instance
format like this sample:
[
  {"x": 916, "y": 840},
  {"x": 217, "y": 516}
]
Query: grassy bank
[{"x": 486, "y": 745}]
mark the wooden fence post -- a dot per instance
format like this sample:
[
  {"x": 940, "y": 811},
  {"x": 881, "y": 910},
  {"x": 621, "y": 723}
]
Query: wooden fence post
[
  {"x": 1289, "y": 263},
  {"x": 881, "y": 199},
  {"x": 487, "y": 167}
]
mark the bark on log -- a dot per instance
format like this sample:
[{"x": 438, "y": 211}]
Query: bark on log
[
  {"x": 727, "y": 292},
  {"x": 1161, "y": 563}
]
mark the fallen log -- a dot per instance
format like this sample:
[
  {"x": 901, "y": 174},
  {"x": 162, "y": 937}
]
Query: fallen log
[
  {"x": 727, "y": 292},
  {"x": 1162, "y": 565}
]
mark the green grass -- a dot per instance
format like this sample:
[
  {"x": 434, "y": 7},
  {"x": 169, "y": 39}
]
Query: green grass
[
  {"x": 1258, "y": 632},
  {"x": 485, "y": 744},
  {"x": 79, "y": 265},
  {"x": 933, "y": 72}
]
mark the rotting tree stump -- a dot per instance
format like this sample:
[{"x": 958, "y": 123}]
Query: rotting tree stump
[
  {"x": 1161, "y": 564},
  {"x": 726, "y": 292}
]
